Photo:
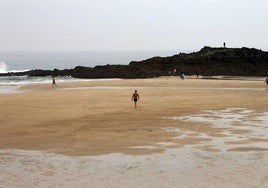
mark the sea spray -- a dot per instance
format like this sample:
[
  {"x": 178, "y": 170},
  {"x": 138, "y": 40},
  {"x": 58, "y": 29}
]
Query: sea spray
[{"x": 3, "y": 67}]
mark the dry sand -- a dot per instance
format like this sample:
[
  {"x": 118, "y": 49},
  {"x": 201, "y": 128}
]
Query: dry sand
[{"x": 184, "y": 133}]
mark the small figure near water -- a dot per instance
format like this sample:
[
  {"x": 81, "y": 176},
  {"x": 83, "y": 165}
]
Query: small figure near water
[
  {"x": 266, "y": 80},
  {"x": 54, "y": 82},
  {"x": 135, "y": 97},
  {"x": 182, "y": 76},
  {"x": 224, "y": 44}
]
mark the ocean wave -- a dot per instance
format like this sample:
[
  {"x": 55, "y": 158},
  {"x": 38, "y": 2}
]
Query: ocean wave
[
  {"x": 10, "y": 84},
  {"x": 4, "y": 68},
  {"x": 14, "y": 71},
  {"x": 24, "y": 80}
]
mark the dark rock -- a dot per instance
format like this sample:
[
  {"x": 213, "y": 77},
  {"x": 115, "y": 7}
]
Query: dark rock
[{"x": 208, "y": 62}]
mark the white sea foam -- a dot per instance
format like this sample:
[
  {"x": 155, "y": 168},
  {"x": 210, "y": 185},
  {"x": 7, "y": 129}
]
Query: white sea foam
[
  {"x": 3, "y": 67},
  {"x": 15, "y": 71},
  {"x": 10, "y": 84}
]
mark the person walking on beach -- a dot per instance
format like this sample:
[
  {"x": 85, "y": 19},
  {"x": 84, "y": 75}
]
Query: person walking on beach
[
  {"x": 135, "y": 97},
  {"x": 266, "y": 80},
  {"x": 182, "y": 76},
  {"x": 54, "y": 82}
]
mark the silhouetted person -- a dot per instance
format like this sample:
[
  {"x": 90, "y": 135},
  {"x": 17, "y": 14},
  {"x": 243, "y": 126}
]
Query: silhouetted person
[
  {"x": 266, "y": 80},
  {"x": 135, "y": 97},
  {"x": 224, "y": 45},
  {"x": 53, "y": 82},
  {"x": 182, "y": 76}
]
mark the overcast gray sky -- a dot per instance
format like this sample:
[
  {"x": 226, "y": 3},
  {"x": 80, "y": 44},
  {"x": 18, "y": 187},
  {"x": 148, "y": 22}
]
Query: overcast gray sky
[{"x": 132, "y": 24}]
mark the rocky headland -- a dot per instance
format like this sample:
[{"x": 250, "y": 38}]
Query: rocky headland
[{"x": 207, "y": 62}]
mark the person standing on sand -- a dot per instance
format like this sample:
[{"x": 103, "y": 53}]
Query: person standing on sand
[
  {"x": 266, "y": 80},
  {"x": 53, "y": 82},
  {"x": 182, "y": 76},
  {"x": 135, "y": 97}
]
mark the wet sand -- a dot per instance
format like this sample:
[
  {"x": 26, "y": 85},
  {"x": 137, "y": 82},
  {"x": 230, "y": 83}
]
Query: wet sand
[{"x": 205, "y": 124}]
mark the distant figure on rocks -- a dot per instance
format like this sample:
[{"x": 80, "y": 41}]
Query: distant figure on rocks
[
  {"x": 54, "y": 82},
  {"x": 135, "y": 97}
]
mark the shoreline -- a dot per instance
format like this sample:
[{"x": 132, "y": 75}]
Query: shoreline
[{"x": 14, "y": 87}]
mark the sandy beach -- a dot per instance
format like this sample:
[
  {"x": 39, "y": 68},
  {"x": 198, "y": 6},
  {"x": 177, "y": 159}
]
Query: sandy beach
[{"x": 183, "y": 133}]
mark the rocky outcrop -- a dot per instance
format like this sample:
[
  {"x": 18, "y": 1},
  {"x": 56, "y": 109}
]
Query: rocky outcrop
[{"x": 208, "y": 62}]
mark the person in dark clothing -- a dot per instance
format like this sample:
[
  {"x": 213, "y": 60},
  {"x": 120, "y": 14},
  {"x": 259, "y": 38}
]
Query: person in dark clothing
[{"x": 135, "y": 97}]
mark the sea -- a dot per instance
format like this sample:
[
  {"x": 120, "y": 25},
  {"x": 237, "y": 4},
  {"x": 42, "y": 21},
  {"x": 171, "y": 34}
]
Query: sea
[{"x": 14, "y": 61}]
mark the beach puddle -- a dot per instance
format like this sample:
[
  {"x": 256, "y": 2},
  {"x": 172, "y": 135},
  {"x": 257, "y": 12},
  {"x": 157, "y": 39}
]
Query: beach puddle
[
  {"x": 231, "y": 129},
  {"x": 204, "y": 160}
]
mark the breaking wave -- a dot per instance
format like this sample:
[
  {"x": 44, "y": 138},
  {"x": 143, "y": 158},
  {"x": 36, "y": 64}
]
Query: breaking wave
[{"x": 3, "y": 67}]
